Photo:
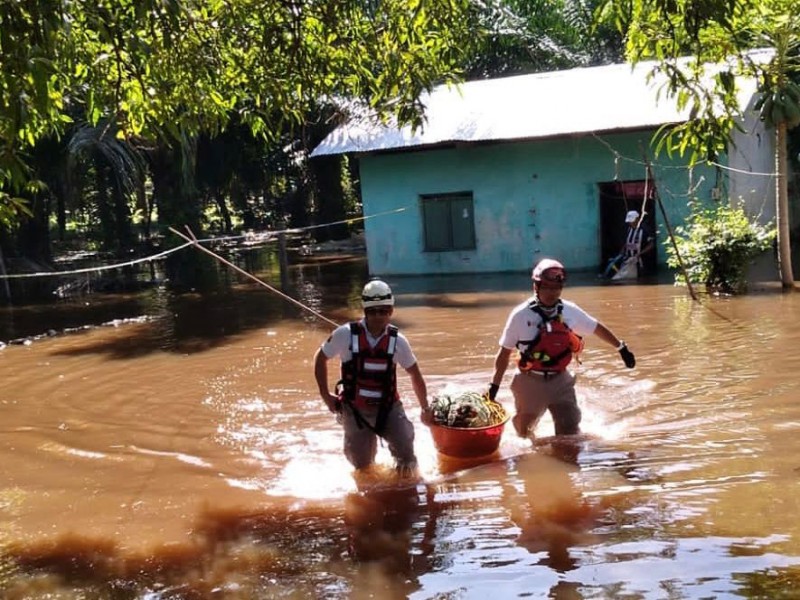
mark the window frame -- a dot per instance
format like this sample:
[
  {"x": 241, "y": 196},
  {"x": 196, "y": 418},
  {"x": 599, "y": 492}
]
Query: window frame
[{"x": 448, "y": 198}]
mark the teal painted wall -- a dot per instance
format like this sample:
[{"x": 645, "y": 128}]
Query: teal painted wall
[{"x": 531, "y": 200}]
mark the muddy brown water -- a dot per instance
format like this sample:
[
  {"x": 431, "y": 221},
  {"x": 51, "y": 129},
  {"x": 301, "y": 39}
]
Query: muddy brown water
[{"x": 182, "y": 452}]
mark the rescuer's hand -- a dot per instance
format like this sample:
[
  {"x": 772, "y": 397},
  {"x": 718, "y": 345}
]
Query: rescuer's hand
[
  {"x": 627, "y": 356},
  {"x": 333, "y": 403},
  {"x": 492, "y": 392}
]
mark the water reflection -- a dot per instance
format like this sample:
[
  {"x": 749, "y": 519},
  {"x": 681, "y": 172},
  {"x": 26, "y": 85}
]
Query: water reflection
[
  {"x": 552, "y": 515},
  {"x": 381, "y": 533},
  {"x": 200, "y": 304}
]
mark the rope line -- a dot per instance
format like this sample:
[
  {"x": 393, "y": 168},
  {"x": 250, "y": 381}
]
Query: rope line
[
  {"x": 741, "y": 171},
  {"x": 192, "y": 241},
  {"x": 265, "y": 235},
  {"x": 619, "y": 156},
  {"x": 272, "y": 233},
  {"x": 94, "y": 269}
]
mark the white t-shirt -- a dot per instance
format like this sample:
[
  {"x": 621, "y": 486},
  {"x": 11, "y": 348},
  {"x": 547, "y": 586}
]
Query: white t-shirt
[
  {"x": 339, "y": 345},
  {"x": 523, "y": 323}
]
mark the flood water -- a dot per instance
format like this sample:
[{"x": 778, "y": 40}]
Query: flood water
[{"x": 181, "y": 451}]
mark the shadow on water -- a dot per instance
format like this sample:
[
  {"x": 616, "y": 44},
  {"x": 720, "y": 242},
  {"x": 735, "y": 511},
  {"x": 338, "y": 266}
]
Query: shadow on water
[{"x": 194, "y": 311}]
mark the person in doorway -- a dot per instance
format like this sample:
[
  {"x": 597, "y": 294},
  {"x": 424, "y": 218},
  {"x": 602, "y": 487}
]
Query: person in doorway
[
  {"x": 367, "y": 398},
  {"x": 638, "y": 242},
  {"x": 547, "y": 331}
]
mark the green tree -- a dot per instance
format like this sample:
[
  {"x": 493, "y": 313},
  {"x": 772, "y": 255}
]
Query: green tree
[
  {"x": 526, "y": 36},
  {"x": 720, "y": 32},
  {"x": 160, "y": 69}
]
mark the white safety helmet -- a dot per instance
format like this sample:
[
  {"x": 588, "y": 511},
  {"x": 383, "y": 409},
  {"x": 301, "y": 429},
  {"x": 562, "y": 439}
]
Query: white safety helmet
[{"x": 376, "y": 293}]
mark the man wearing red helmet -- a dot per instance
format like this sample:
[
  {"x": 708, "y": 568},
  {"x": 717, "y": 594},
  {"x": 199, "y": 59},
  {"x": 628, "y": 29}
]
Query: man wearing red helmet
[{"x": 547, "y": 331}]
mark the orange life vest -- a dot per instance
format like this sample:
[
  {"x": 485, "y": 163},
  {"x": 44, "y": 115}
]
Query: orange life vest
[
  {"x": 554, "y": 345},
  {"x": 369, "y": 378}
]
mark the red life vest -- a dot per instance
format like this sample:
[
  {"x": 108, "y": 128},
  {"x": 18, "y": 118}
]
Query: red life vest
[
  {"x": 553, "y": 346},
  {"x": 369, "y": 378}
]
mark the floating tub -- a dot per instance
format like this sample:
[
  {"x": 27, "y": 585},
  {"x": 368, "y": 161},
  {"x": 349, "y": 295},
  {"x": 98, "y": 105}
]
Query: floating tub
[{"x": 468, "y": 442}]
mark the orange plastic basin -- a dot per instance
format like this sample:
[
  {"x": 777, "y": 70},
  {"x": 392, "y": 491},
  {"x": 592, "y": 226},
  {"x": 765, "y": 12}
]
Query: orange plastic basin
[{"x": 467, "y": 442}]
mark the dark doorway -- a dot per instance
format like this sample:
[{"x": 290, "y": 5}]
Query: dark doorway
[{"x": 616, "y": 199}]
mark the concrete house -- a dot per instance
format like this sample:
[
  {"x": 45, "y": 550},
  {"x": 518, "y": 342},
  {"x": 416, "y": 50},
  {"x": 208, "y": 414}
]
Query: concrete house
[{"x": 508, "y": 170}]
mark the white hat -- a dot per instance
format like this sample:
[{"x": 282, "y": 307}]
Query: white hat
[
  {"x": 632, "y": 216},
  {"x": 376, "y": 293}
]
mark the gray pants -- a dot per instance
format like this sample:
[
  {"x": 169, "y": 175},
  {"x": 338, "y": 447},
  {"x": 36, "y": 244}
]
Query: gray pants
[
  {"x": 534, "y": 394},
  {"x": 361, "y": 443}
]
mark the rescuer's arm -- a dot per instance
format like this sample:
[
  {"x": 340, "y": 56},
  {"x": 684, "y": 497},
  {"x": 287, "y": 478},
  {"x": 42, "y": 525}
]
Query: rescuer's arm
[
  {"x": 321, "y": 375},
  {"x": 605, "y": 334},
  {"x": 421, "y": 392},
  {"x": 501, "y": 361}
]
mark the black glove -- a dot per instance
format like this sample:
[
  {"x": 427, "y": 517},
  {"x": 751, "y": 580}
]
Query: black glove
[
  {"x": 627, "y": 356},
  {"x": 492, "y": 393}
]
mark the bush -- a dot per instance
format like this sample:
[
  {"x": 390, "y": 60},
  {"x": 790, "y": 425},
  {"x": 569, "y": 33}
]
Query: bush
[{"x": 716, "y": 245}]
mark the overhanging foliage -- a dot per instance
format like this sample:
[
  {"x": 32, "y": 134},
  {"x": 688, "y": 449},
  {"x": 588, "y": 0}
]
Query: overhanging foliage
[{"x": 161, "y": 68}]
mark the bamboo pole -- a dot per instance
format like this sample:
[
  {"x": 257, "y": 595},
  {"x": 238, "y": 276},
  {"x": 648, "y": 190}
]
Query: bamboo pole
[
  {"x": 669, "y": 230},
  {"x": 782, "y": 208},
  {"x": 283, "y": 259}
]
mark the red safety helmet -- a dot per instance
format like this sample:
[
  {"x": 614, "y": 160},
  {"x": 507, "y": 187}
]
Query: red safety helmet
[{"x": 548, "y": 264}]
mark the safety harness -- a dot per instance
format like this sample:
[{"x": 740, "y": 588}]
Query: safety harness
[
  {"x": 369, "y": 378},
  {"x": 552, "y": 348}
]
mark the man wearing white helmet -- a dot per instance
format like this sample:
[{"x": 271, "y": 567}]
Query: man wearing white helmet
[
  {"x": 367, "y": 398},
  {"x": 547, "y": 331}
]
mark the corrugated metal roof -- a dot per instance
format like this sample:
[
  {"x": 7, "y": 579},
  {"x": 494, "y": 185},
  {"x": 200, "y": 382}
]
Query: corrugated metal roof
[{"x": 558, "y": 103}]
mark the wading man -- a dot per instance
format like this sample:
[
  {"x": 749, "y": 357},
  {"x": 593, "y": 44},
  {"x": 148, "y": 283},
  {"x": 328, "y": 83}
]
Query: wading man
[
  {"x": 547, "y": 331},
  {"x": 367, "y": 398}
]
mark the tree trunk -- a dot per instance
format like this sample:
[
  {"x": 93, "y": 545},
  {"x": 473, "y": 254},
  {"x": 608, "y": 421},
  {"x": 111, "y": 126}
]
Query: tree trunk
[
  {"x": 222, "y": 205},
  {"x": 105, "y": 216},
  {"x": 6, "y": 286},
  {"x": 33, "y": 234},
  {"x": 61, "y": 209},
  {"x": 122, "y": 219},
  {"x": 177, "y": 207},
  {"x": 782, "y": 206},
  {"x": 239, "y": 202},
  {"x": 327, "y": 173},
  {"x": 143, "y": 204}
]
